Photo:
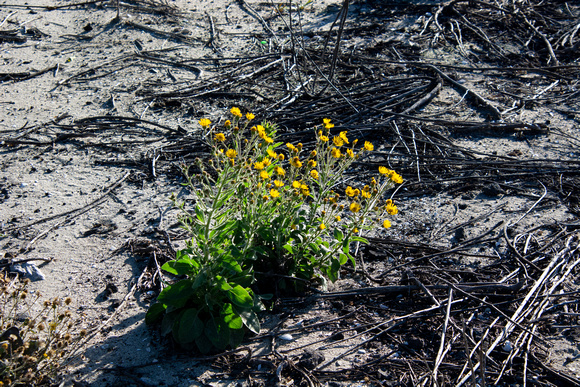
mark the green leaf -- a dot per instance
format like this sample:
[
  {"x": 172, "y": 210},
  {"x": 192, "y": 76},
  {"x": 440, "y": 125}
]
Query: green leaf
[
  {"x": 199, "y": 215},
  {"x": 204, "y": 344},
  {"x": 250, "y": 319},
  {"x": 333, "y": 269},
  {"x": 167, "y": 322},
  {"x": 338, "y": 235},
  {"x": 231, "y": 318},
  {"x": 200, "y": 280},
  {"x": 222, "y": 283},
  {"x": 178, "y": 294},
  {"x": 240, "y": 296},
  {"x": 236, "y": 337},
  {"x": 218, "y": 332},
  {"x": 180, "y": 267},
  {"x": 313, "y": 247},
  {"x": 190, "y": 326},
  {"x": 154, "y": 313},
  {"x": 359, "y": 239},
  {"x": 343, "y": 259},
  {"x": 288, "y": 247}
]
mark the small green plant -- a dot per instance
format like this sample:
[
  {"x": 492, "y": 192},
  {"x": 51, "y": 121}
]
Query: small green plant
[
  {"x": 260, "y": 208},
  {"x": 33, "y": 343}
]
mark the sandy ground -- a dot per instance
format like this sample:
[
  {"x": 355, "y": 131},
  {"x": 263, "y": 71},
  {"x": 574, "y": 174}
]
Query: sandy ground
[{"x": 85, "y": 208}]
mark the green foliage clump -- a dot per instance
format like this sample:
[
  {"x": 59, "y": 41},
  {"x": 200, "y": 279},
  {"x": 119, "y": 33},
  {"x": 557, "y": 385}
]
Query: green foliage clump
[{"x": 260, "y": 204}]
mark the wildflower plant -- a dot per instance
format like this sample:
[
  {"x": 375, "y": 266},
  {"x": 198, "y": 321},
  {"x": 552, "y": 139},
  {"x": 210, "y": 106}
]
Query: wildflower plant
[
  {"x": 263, "y": 207},
  {"x": 36, "y": 337}
]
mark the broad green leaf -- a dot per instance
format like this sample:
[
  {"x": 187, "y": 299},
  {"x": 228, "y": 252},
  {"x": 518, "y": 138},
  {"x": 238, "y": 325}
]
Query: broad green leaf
[
  {"x": 218, "y": 332},
  {"x": 240, "y": 296},
  {"x": 343, "y": 259},
  {"x": 154, "y": 313},
  {"x": 222, "y": 283},
  {"x": 190, "y": 326},
  {"x": 313, "y": 247},
  {"x": 167, "y": 323},
  {"x": 288, "y": 247},
  {"x": 338, "y": 235},
  {"x": 179, "y": 267},
  {"x": 204, "y": 344},
  {"x": 232, "y": 320},
  {"x": 177, "y": 294},
  {"x": 200, "y": 280},
  {"x": 250, "y": 319},
  {"x": 236, "y": 337},
  {"x": 331, "y": 274}
]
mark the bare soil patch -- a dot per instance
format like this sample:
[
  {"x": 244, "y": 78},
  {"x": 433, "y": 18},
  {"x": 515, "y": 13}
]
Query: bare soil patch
[{"x": 475, "y": 103}]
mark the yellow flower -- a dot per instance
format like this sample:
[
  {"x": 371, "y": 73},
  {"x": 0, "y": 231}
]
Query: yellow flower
[
  {"x": 391, "y": 209},
  {"x": 337, "y": 218},
  {"x": 313, "y": 154},
  {"x": 236, "y": 112},
  {"x": 295, "y": 162},
  {"x": 311, "y": 163},
  {"x": 220, "y": 137},
  {"x": 272, "y": 154},
  {"x": 323, "y": 138},
  {"x": 274, "y": 193},
  {"x": 268, "y": 140},
  {"x": 343, "y": 137},
  {"x": 328, "y": 126},
  {"x": 278, "y": 183},
  {"x": 384, "y": 170},
  {"x": 296, "y": 184},
  {"x": 369, "y": 146},
  {"x": 305, "y": 190},
  {"x": 280, "y": 171},
  {"x": 322, "y": 226},
  {"x": 281, "y": 157},
  {"x": 326, "y": 121},
  {"x": 266, "y": 161},
  {"x": 314, "y": 174},
  {"x": 265, "y": 198},
  {"x": 350, "y": 153},
  {"x": 249, "y": 116},
  {"x": 373, "y": 182},
  {"x": 350, "y": 191},
  {"x": 228, "y": 123},
  {"x": 259, "y": 165},
  {"x": 386, "y": 223},
  {"x": 231, "y": 153},
  {"x": 337, "y": 141},
  {"x": 354, "y": 207},
  {"x": 396, "y": 178},
  {"x": 335, "y": 153},
  {"x": 291, "y": 147},
  {"x": 355, "y": 230},
  {"x": 204, "y": 122},
  {"x": 366, "y": 192},
  {"x": 264, "y": 175}
]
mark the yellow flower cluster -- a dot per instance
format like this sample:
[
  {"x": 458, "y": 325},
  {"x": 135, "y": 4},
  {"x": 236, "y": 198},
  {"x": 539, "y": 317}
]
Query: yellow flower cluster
[{"x": 394, "y": 176}]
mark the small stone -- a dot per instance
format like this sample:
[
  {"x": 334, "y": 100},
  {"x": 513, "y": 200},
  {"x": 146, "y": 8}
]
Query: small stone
[
  {"x": 286, "y": 337},
  {"x": 310, "y": 359}
]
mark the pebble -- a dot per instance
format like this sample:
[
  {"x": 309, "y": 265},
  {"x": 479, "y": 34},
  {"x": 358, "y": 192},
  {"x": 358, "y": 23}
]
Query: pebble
[{"x": 286, "y": 337}]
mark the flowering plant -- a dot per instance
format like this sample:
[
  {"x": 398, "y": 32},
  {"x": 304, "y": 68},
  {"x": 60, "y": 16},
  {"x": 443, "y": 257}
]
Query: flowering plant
[
  {"x": 35, "y": 337},
  {"x": 263, "y": 207}
]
